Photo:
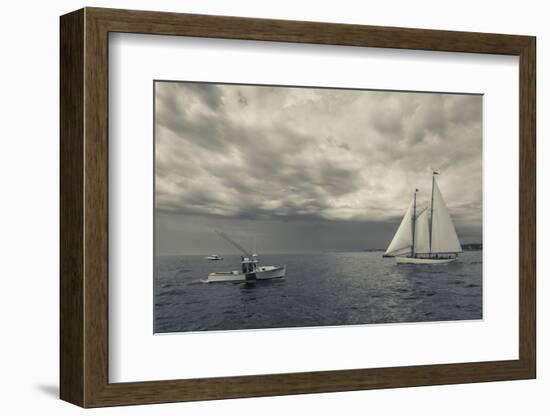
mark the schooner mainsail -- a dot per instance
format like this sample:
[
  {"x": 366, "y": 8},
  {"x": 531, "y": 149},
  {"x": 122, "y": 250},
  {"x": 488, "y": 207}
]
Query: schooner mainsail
[{"x": 426, "y": 236}]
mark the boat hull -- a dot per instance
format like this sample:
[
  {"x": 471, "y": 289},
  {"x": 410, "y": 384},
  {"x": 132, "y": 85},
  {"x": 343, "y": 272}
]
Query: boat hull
[
  {"x": 419, "y": 260},
  {"x": 262, "y": 273}
]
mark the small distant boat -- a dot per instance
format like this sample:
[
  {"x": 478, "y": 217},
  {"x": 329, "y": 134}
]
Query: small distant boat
[
  {"x": 213, "y": 257},
  {"x": 426, "y": 236},
  {"x": 250, "y": 270}
]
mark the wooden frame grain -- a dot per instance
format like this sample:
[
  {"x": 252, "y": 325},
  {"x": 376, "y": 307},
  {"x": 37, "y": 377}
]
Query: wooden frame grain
[{"x": 84, "y": 207}]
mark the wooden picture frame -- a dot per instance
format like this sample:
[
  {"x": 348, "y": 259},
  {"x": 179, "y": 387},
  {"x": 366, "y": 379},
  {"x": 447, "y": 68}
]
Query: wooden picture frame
[{"x": 84, "y": 207}]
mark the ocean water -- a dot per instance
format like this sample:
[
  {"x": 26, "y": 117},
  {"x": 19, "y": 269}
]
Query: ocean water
[{"x": 320, "y": 289}]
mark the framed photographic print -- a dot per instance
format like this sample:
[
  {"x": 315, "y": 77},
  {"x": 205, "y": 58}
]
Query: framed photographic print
[{"x": 335, "y": 207}]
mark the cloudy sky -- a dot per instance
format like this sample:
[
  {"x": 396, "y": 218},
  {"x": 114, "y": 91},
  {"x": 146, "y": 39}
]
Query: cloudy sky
[{"x": 308, "y": 169}]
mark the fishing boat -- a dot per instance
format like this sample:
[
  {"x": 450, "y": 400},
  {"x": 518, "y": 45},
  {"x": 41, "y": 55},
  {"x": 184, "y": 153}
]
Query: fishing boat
[
  {"x": 213, "y": 257},
  {"x": 426, "y": 236},
  {"x": 250, "y": 271}
]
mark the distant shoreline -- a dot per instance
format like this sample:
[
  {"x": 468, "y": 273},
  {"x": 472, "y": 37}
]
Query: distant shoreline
[{"x": 465, "y": 247}]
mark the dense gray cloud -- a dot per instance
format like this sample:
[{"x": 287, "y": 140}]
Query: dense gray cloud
[{"x": 299, "y": 154}]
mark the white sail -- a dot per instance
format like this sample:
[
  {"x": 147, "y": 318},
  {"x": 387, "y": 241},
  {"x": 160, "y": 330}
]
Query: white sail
[
  {"x": 402, "y": 240},
  {"x": 444, "y": 238},
  {"x": 422, "y": 233}
]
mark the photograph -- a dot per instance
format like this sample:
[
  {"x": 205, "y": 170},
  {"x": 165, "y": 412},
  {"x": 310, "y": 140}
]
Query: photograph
[{"x": 283, "y": 206}]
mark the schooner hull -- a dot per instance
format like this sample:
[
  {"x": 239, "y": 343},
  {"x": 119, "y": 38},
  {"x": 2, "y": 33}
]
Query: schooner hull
[{"x": 417, "y": 260}]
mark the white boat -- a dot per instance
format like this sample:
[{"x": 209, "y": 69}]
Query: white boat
[
  {"x": 213, "y": 257},
  {"x": 426, "y": 236},
  {"x": 250, "y": 271}
]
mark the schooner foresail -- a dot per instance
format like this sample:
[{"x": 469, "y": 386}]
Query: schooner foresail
[{"x": 426, "y": 236}]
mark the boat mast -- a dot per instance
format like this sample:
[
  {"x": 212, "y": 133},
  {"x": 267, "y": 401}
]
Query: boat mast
[
  {"x": 432, "y": 208},
  {"x": 234, "y": 244},
  {"x": 413, "y": 222}
]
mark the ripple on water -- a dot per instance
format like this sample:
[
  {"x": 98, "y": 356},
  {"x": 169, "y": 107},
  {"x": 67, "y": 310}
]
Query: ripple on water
[{"x": 172, "y": 292}]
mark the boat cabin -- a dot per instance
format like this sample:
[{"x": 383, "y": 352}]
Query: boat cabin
[{"x": 249, "y": 265}]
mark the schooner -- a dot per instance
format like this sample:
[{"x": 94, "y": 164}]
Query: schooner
[{"x": 426, "y": 236}]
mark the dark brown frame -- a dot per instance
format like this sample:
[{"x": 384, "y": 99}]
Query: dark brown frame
[{"x": 84, "y": 208}]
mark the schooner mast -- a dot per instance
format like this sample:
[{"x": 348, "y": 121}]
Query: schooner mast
[
  {"x": 432, "y": 208},
  {"x": 414, "y": 222}
]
